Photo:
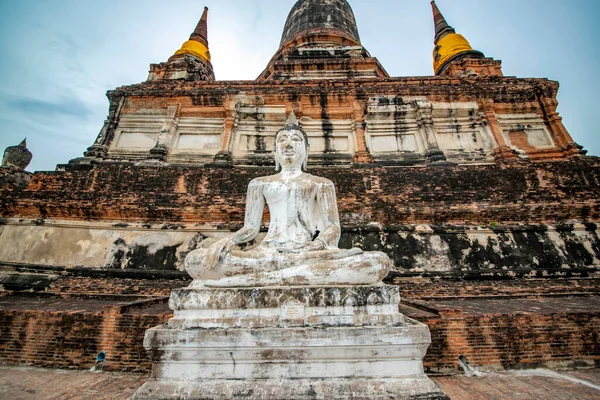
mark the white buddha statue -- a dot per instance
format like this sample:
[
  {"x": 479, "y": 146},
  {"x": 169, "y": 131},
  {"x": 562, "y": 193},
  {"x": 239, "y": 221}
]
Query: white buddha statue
[{"x": 301, "y": 246}]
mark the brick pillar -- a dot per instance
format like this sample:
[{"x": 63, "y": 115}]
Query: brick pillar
[
  {"x": 228, "y": 129},
  {"x": 224, "y": 158},
  {"x": 563, "y": 139},
  {"x": 100, "y": 147},
  {"x": 502, "y": 153},
  {"x": 109, "y": 338},
  {"x": 362, "y": 154},
  {"x": 163, "y": 143},
  {"x": 424, "y": 111}
]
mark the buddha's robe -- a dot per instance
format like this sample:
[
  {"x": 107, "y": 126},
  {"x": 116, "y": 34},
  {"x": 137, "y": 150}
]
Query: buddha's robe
[{"x": 303, "y": 212}]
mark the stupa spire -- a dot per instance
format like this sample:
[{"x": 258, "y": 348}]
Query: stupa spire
[
  {"x": 449, "y": 45},
  {"x": 200, "y": 34},
  {"x": 198, "y": 43},
  {"x": 442, "y": 28}
]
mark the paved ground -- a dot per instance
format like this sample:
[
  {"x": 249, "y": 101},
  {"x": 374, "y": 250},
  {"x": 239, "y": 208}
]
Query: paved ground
[
  {"x": 17, "y": 383},
  {"x": 524, "y": 385},
  {"x": 20, "y": 383}
]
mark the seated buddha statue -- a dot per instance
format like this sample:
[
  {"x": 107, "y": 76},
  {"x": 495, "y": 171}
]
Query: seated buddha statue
[{"x": 301, "y": 245}]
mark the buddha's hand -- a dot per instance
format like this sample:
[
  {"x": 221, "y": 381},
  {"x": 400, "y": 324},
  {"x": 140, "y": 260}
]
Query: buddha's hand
[
  {"x": 217, "y": 252},
  {"x": 316, "y": 245}
]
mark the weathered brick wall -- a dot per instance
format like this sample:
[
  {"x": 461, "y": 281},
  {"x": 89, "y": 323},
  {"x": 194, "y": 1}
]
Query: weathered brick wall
[
  {"x": 49, "y": 338},
  {"x": 123, "y": 336},
  {"x": 73, "y": 338},
  {"x": 502, "y": 340},
  {"x": 536, "y": 193},
  {"x": 518, "y": 323},
  {"x": 14, "y": 179},
  {"x": 508, "y": 324}
]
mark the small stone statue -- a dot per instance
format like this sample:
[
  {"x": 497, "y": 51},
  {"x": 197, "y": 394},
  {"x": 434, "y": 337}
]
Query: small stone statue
[
  {"x": 17, "y": 156},
  {"x": 301, "y": 245}
]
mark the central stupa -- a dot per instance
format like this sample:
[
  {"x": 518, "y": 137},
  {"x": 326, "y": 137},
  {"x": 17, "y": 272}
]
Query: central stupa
[
  {"x": 320, "y": 41},
  {"x": 311, "y": 18}
]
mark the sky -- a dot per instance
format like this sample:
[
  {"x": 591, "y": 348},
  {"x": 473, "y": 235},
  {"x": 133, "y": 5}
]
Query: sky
[{"x": 60, "y": 57}]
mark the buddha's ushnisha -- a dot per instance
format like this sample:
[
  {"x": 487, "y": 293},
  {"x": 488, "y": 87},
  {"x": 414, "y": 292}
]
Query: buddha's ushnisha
[{"x": 301, "y": 245}]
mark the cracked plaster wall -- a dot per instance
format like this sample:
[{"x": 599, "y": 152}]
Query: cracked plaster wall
[
  {"x": 95, "y": 246},
  {"x": 420, "y": 249}
]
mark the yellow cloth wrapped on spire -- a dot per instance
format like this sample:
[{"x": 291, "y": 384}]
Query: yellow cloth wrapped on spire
[
  {"x": 448, "y": 47},
  {"x": 196, "y": 49}
]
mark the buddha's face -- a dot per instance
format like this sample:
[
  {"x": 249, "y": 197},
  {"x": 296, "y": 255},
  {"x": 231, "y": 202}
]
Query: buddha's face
[{"x": 290, "y": 148}]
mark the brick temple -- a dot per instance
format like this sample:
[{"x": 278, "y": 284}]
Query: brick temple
[{"x": 468, "y": 179}]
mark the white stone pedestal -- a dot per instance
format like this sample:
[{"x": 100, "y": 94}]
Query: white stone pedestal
[{"x": 288, "y": 343}]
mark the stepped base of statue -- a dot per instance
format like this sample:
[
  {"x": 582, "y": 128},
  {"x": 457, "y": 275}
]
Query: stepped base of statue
[{"x": 311, "y": 342}]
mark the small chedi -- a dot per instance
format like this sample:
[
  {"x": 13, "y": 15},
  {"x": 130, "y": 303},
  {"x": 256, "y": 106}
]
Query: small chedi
[
  {"x": 17, "y": 157},
  {"x": 246, "y": 326},
  {"x": 12, "y": 170}
]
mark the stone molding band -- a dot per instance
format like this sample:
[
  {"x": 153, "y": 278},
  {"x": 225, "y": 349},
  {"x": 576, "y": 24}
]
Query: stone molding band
[{"x": 254, "y": 298}]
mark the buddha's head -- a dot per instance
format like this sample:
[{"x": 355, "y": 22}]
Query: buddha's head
[{"x": 291, "y": 146}]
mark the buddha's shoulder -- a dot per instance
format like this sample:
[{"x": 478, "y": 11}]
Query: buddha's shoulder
[
  {"x": 261, "y": 180},
  {"x": 320, "y": 180},
  {"x": 264, "y": 180}
]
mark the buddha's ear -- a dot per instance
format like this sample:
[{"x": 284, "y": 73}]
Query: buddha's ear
[
  {"x": 305, "y": 163},
  {"x": 275, "y": 152}
]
